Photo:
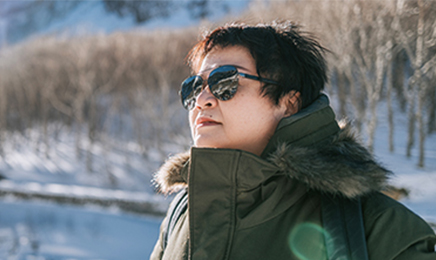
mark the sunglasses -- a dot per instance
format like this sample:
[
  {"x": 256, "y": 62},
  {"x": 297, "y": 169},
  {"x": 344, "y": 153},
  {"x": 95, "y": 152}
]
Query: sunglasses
[{"x": 223, "y": 83}]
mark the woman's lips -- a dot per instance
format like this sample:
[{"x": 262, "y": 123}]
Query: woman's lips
[{"x": 204, "y": 121}]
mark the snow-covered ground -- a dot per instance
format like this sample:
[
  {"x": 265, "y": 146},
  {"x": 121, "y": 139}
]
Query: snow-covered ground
[{"x": 115, "y": 163}]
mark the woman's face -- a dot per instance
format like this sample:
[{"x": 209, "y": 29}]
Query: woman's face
[{"x": 245, "y": 122}]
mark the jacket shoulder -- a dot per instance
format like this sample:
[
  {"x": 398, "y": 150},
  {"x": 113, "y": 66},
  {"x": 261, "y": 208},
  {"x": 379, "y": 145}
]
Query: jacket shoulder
[{"x": 391, "y": 229}]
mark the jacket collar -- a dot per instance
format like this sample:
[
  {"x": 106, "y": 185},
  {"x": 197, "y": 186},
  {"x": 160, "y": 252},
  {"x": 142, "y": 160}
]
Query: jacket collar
[
  {"x": 308, "y": 127},
  {"x": 308, "y": 147}
]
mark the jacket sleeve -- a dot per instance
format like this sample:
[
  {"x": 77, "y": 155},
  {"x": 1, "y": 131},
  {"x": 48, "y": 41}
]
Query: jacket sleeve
[
  {"x": 158, "y": 248},
  {"x": 393, "y": 232},
  {"x": 177, "y": 207},
  {"x": 423, "y": 250}
]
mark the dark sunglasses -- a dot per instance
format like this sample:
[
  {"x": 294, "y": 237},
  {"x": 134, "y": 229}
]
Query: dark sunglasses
[{"x": 223, "y": 83}]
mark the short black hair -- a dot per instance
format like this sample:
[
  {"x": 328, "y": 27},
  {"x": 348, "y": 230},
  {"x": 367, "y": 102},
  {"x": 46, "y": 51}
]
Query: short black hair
[{"x": 282, "y": 52}]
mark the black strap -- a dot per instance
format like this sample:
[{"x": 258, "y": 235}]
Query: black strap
[
  {"x": 343, "y": 221},
  {"x": 177, "y": 208}
]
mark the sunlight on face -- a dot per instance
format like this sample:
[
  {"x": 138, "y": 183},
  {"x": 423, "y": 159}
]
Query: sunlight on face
[{"x": 245, "y": 122}]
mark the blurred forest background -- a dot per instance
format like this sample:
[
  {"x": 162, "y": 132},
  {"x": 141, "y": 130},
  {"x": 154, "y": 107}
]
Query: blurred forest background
[
  {"x": 112, "y": 90},
  {"x": 87, "y": 116}
]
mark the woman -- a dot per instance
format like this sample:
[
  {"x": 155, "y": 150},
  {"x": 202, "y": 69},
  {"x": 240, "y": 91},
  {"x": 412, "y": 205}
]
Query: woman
[{"x": 269, "y": 160}]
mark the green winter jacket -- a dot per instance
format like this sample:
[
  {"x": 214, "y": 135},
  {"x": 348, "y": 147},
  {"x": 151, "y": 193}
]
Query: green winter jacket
[{"x": 242, "y": 206}]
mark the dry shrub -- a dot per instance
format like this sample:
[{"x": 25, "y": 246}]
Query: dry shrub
[{"x": 122, "y": 84}]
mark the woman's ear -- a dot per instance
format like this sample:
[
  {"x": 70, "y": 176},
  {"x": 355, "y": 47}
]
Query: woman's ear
[{"x": 291, "y": 101}]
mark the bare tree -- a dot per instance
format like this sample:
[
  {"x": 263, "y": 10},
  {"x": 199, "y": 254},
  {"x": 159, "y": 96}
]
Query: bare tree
[
  {"x": 370, "y": 51},
  {"x": 389, "y": 88},
  {"x": 416, "y": 46},
  {"x": 432, "y": 108}
]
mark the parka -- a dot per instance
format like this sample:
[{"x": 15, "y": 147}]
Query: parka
[{"x": 244, "y": 206}]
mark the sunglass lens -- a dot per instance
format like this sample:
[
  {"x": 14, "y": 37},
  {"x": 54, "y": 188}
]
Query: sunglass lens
[
  {"x": 223, "y": 82},
  {"x": 190, "y": 89}
]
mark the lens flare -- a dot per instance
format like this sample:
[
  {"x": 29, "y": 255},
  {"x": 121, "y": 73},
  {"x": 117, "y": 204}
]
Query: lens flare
[{"x": 306, "y": 241}]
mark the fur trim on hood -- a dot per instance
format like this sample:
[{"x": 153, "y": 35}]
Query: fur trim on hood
[
  {"x": 168, "y": 178},
  {"x": 339, "y": 166}
]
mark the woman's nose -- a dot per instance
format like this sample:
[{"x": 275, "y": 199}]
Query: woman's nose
[{"x": 206, "y": 99}]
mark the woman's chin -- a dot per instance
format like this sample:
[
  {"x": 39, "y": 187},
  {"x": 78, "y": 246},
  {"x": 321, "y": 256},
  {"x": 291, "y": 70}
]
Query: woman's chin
[
  {"x": 206, "y": 141},
  {"x": 202, "y": 145},
  {"x": 208, "y": 144}
]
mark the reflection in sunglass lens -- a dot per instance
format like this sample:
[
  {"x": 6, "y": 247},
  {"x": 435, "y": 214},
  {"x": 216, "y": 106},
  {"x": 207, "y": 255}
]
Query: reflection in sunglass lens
[
  {"x": 223, "y": 82},
  {"x": 221, "y": 73},
  {"x": 191, "y": 87},
  {"x": 225, "y": 87}
]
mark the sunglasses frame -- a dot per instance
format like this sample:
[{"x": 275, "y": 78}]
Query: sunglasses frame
[{"x": 198, "y": 77}]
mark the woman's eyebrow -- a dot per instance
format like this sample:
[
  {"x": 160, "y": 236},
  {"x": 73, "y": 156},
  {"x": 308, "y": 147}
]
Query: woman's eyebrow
[
  {"x": 239, "y": 67},
  {"x": 213, "y": 67},
  {"x": 242, "y": 68}
]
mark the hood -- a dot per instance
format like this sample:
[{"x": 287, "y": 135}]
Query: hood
[{"x": 309, "y": 147}]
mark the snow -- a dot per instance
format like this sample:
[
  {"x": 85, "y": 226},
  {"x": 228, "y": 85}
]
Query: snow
[
  {"x": 83, "y": 192},
  {"x": 29, "y": 160}
]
